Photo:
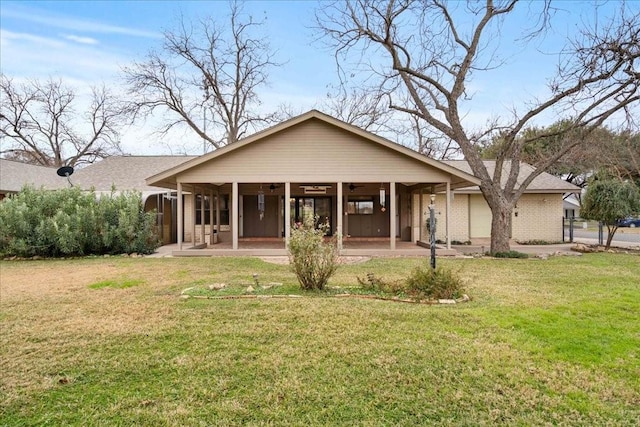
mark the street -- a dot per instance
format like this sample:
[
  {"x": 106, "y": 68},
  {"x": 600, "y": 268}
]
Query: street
[{"x": 624, "y": 236}]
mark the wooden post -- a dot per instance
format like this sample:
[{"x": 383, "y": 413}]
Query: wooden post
[{"x": 180, "y": 223}]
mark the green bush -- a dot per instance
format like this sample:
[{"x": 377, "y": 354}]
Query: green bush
[
  {"x": 312, "y": 259},
  {"x": 71, "y": 222},
  {"x": 441, "y": 283},
  {"x": 510, "y": 254},
  {"x": 372, "y": 283},
  {"x": 536, "y": 242}
]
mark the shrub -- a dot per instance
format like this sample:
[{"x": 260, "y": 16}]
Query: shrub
[
  {"x": 510, "y": 254},
  {"x": 536, "y": 242},
  {"x": 312, "y": 259},
  {"x": 441, "y": 283},
  {"x": 372, "y": 283},
  {"x": 71, "y": 222}
]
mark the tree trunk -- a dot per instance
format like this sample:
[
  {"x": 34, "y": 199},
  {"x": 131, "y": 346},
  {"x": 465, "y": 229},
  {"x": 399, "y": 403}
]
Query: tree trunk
[
  {"x": 500, "y": 226},
  {"x": 610, "y": 232}
]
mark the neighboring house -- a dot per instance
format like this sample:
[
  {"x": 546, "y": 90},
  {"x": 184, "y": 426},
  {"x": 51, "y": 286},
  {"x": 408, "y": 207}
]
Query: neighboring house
[
  {"x": 15, "y": 175},
  {"x": 362, "y": 185},
  {"x": 571, "y": 206}
]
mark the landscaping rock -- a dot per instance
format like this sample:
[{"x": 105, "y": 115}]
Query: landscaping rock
[
  {"x": 250, "y": 289},
  {"x": 217, "y": 286},
  {"x": 580, "y": 247}
]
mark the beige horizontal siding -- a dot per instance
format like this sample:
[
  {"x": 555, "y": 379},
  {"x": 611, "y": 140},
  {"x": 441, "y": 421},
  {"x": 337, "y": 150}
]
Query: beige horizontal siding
[{"x": 313, "y": 151}]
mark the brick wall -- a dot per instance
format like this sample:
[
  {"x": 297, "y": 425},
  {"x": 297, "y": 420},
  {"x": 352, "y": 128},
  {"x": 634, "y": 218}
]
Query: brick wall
[{"x": 539, "y": 218}]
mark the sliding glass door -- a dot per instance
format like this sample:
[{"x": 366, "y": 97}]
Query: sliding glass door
[{"x": 311, "y": 207}]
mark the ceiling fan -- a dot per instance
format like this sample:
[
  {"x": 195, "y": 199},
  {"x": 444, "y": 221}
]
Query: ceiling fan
[{"x": 352, "y": 187}]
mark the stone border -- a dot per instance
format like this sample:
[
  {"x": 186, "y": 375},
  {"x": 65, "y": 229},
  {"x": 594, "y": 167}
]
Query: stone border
[{"x": 465, "y": 298}]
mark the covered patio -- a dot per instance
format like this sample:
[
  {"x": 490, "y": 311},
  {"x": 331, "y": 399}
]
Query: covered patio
[{"x": 246, "y": 197}]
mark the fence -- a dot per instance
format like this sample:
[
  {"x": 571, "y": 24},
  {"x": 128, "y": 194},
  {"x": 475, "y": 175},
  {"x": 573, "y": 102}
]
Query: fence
[{"x": 569, "y": 225}]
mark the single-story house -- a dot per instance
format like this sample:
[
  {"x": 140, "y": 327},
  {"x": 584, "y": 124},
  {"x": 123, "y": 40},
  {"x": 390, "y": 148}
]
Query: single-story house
[
  {"x": 363, "y": 186},
  {"x": 571, "y": 206}
]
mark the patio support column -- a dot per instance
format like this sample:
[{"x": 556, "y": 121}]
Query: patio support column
[
  {"x": 180, "y": 224},
  {"x": 340, "y": 217},
  {"x": 193, "y": 215},
  {"x": 287, "y": 213},
  {"x": 234, "y": 214},
  {"x": 448, "y": 217},
  {"x": 421, "y": 216},
  {"x": 202, "y": 218},
  {"x": 216, "y": 237},
  {"x": 392, "y": 215},
  {"x": 211, "y": 230}
]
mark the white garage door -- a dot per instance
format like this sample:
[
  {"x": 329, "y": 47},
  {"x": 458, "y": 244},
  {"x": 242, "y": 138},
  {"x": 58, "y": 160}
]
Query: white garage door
[{"x": 479, "y": 217}]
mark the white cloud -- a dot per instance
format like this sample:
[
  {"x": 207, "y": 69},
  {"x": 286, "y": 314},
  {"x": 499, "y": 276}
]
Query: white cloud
[
  {"x": 80, "y": 39},
  {"x": 32, "y": 56},
  {"x": 79, "y": 25}
]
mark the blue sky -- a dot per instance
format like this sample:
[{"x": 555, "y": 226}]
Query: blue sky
[{"x": 88, "y": 42}]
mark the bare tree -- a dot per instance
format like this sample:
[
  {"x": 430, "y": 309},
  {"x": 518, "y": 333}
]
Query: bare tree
[
  {"x": 208, "y": 77},
  {"x": 624, "y": 161},
  {"x": 40, "y": 124},
  {"x": 369, "y": 110},
  {"x": 431, "y": 51}
]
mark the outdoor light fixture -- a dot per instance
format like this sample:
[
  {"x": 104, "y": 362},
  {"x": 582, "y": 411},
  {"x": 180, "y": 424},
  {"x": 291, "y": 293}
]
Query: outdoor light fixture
[{"x": 383, "y": 198}]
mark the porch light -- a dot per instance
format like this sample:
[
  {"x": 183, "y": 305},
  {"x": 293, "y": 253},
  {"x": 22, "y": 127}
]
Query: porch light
[{"x": 383, "y": 198}]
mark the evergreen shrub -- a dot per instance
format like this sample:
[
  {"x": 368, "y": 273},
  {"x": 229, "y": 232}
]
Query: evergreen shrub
[{"x": 70, "y": 222}]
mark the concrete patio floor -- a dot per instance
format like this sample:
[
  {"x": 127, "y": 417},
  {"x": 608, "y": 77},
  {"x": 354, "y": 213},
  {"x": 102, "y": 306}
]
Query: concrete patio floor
[
  {"x": 353, "y": 248},
  {"x": 277, "y": 248}
]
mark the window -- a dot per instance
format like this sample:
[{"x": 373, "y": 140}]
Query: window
[
  {"x": 360, "y": 207},
  {"x": 224, "y": 209}
]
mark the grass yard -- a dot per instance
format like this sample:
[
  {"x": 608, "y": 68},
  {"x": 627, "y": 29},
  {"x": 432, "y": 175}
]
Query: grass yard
[{"x": 109, "y": 341}]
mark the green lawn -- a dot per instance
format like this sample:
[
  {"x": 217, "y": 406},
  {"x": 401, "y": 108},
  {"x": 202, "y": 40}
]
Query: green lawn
[{"x": 109, "y": 341}]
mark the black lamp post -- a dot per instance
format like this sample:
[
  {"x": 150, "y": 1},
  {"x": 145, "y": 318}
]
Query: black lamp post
[{"x": 432, "y": 230}]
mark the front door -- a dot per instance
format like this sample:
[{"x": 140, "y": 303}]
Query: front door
[{"x": 311, "y": 207}]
